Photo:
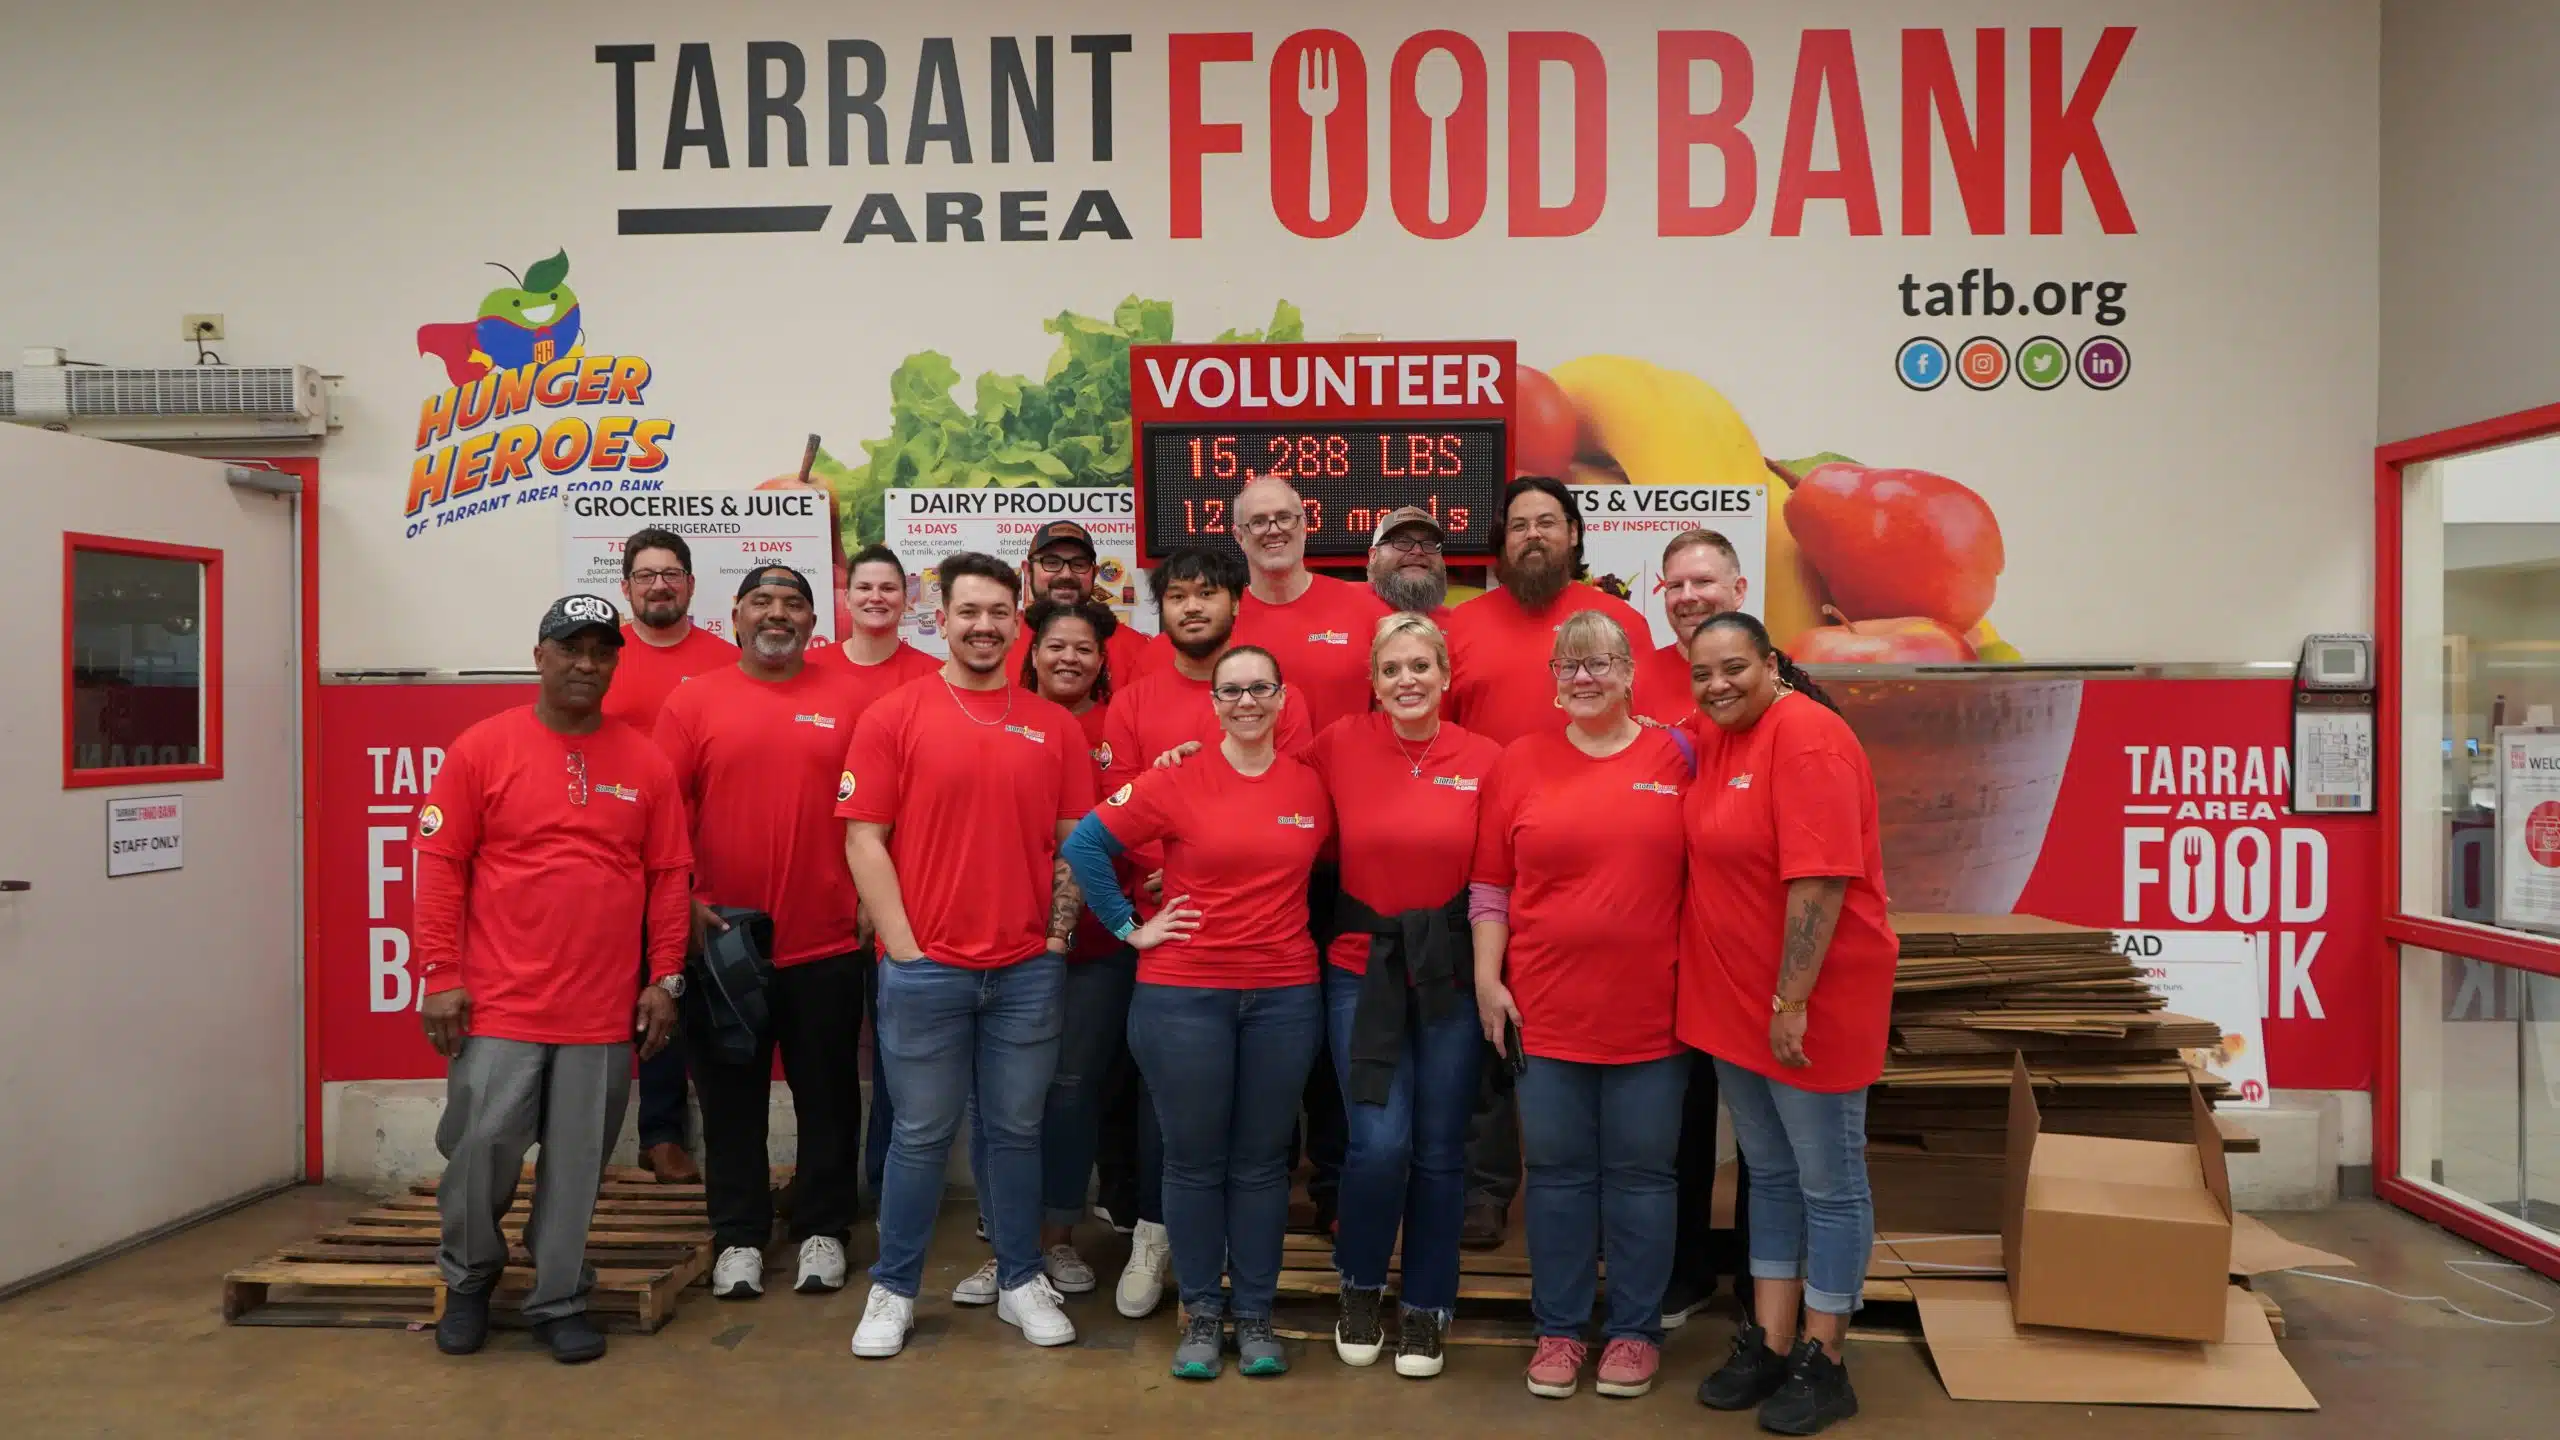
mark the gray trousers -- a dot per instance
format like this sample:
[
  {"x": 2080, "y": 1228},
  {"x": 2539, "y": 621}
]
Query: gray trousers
[{"x": 501, "y": 1097}]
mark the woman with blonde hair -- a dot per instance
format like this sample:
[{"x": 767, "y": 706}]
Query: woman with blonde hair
[
  {"x": 1399, "y": 991},
  {"x": 1579, "y": 868}
]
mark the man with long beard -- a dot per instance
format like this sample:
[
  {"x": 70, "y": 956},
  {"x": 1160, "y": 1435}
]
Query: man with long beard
[
  {"x": 1499, "y": 641},
  {"x": 757, "y": 749},
  {"x": 662, "y": 649},
  {"x": 1406, "y": 570}
]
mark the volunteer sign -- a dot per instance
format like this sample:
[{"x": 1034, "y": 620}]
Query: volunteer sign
[
  {"x": 146, "y": 833},
  {"x": 923, "y": 526},
  {"x": 730, "y": 532}
]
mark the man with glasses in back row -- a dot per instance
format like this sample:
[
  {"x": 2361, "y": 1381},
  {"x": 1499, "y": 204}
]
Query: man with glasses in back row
[{"x": 552, "y": 830}]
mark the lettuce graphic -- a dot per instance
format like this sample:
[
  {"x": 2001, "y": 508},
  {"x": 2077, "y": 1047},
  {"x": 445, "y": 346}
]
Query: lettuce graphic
[{"x": 1069, "y": 427}]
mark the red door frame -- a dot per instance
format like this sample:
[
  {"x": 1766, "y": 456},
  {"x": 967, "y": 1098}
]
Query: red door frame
[{"x": 2525, "y": 952}]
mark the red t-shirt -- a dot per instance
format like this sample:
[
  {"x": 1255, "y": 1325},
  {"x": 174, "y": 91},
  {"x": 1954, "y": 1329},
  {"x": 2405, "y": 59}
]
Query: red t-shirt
[
  {"x": 1240, "y": 846},
  {"x": 1591, "y": 849},
  {"x": 1663, "y": 692},
  {"x": 553, "y": 889},
  {"x": 874, "y": 682},
  {"x": 757, "y": 761},
  {"x": 1092, "y": 941},
  {"x": 1789, "y": 798},
  {"x": 973, "y": 784},
  {"x": 1500, "y": 686},
  {"x": 1124, "y": 655},
  {"x": 1407, "y": 841},
  {"x": 1165, "y": 709},
  {"x": 650, "y": 673},
  {"x": 1321, "y": 640}
]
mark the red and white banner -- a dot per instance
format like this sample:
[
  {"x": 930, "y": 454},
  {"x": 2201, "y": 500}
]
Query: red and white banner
[{"x": 2127, "y": 804}]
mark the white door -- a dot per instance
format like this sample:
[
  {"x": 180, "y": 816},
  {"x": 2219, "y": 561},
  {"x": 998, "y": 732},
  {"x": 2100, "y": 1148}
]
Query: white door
[{"x": 150, "y": 1023}]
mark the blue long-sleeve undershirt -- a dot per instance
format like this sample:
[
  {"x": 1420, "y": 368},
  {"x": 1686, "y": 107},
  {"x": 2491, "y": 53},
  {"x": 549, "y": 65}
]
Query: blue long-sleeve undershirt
[{"x": 1089, "y": 851}]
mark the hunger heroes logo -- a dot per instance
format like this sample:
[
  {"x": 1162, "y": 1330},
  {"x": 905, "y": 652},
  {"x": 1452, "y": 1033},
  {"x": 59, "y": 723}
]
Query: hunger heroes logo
[{"x": 1307, "y": 109}]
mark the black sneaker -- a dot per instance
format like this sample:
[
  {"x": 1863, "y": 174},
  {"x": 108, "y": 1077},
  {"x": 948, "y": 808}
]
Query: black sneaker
[
  {"x": 1359, "y": 1335},
  {"x": 464, "y": 1326},
  {"x": 571, "y": 1339},
  {"x": 1418, "y": 1339},
  {"x": 1815, "y": 1395},
  {"x": 1751, "y": 1374},
  {"x": 1681, "y": 1299}
]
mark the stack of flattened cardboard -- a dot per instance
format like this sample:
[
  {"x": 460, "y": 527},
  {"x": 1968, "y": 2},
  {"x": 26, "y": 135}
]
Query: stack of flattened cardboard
[{"x": 1974, "y": 991}]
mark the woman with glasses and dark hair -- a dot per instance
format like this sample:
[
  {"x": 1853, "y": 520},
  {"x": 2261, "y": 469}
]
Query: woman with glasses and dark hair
[
  {"x": 1786, "y": 978},
  {"x": 1576, "y": 912},
  {"x": 1226, "y": 1018},
  {"x": 1399, "y": 991}
]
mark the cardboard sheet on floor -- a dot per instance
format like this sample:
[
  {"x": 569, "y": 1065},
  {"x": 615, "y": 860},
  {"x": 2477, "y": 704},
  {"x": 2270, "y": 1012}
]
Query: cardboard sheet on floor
[
  {"x": 2257, "y": 1250},
  {"x": 1982, "y": 1354}
]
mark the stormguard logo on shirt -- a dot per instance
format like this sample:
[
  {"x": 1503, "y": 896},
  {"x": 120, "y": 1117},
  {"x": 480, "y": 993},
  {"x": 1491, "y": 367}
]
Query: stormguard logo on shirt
[
  {"x": 823, "y": 722},
  {"x": 1036, "y": 737},
  {"x": 1102, "y": 755},
  {"x": 430, "y": 820},
  {"x": 628, "y": 794},
  {"x": 844, "y": 787},
  {"x": 1655, "y": 787},
  {"x": 1120, "y": 796},
  {"x": 1328, "y": 637},
  {"x": 1302, "y": 822},
  {"x": 1740, "y": 782},
  {"x": 1455, "y": 782}
]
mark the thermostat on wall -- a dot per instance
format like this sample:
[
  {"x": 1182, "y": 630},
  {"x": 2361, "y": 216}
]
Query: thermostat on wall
[{"x": 2336, "y": 662}]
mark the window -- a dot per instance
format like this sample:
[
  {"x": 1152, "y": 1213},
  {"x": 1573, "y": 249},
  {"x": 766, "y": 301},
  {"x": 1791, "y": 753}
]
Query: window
[
  {"x": 2480, "y": 1084},
  {"x": 141, "y": 662}
]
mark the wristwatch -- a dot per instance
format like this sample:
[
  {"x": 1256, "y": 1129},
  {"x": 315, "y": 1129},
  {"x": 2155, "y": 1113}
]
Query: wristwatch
[
  {"x": 673, "y": 985},
  {"x": 1784, "y": 1006},
  {"x": 1125, "y": 928}
]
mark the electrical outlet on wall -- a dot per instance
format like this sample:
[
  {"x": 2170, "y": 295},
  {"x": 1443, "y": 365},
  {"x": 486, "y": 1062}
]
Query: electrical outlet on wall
[{"x": 200, "y": 327}]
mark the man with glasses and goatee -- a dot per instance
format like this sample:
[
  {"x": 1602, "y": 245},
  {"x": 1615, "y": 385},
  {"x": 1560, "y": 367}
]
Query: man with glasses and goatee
[{"x": 552, "y": 832}]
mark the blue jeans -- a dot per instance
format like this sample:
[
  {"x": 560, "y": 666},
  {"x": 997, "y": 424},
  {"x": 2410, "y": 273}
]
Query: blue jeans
[
  {"x": 1097, "y": 1025},
  {"x": 1602, "y": 1144},
  {"x": 1407, "y": 1159},
  {"x": 1812, "y": 1217},
  {"x": 948, "y": 1034},
  {"x": 1226, "y": 1068}
]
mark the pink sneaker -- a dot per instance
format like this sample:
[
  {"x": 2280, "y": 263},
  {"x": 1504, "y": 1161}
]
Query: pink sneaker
[
  {"x": 1556, "y": 1370},
  {"x": 1626, "y": 1368}
]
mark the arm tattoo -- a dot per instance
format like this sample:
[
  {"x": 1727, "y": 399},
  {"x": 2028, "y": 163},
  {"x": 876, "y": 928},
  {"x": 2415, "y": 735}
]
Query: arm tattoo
[
  {"x": 1064, "y": 901},
  {"x": 1813, "y": 908}
]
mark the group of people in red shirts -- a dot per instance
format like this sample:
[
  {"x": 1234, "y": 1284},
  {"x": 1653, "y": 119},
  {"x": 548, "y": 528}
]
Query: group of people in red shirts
[{"x": 1320, "y": 857}]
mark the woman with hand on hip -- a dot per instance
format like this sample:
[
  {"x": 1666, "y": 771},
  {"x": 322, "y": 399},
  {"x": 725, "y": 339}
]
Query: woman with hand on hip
[
  {"x": 1399, "y": 991},
  {"x": 1786, "y": 978},
  {"x": 1576, "y": 911},
  {"x": 1226, "y": 1017}
]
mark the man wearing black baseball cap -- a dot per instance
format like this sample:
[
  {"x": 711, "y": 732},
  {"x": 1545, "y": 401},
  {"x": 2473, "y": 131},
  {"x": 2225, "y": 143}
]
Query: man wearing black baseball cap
[
  {"x": 758, "y": 749},
  {"x": 1062, "y": 565},
  {"x": 553, "y": 831}
]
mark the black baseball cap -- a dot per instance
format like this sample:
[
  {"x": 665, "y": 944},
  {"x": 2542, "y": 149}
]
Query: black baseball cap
[
  {"x": 571, "y": 614},
  {"x": 1062, "y": 531},
  {"x": 782, "y": 575}
]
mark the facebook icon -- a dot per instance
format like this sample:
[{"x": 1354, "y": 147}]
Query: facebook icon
[{"x": 1922, "y": 363}]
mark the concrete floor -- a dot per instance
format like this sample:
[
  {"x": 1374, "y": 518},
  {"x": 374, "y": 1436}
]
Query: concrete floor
[{"x": 137, "y": 1347}]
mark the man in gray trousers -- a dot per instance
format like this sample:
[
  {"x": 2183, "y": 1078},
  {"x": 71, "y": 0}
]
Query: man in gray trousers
[{"x": 552, "y": 832}]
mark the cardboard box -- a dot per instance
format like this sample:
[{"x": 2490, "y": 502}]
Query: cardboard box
[{"x": 2128, "y": 1236}]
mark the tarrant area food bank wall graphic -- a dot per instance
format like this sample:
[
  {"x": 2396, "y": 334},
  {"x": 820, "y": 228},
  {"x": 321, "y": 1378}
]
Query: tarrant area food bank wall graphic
[{"x": 2045, "y": 325}]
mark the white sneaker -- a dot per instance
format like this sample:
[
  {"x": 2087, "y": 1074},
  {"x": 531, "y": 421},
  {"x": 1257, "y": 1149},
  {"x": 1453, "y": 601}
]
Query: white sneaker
[
  {"x": 821, "y": 1265},
  {"x": 1067, "y": 1270},
  {"x": 1142, "y": 1284},
  {"x": 978, "y": 1289},
  {"x": 1032, "y": 1307},
  {"x": 887, "y": 1320},
  {"x": 738, "y": 1274}
]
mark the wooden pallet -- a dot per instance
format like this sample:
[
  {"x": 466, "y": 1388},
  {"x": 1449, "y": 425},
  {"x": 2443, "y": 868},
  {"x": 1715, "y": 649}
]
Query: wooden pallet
[{"x": 377, "y": 1269}]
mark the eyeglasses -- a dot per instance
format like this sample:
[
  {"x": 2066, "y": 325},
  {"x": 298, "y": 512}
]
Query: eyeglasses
[
  {"x": 1259, "y": 690},
  {"x": 1413, "y": 544},
  {"x": 652, "y": 577},
  {"x": 1060, "y": 564},
  {"x": 1273, "y": 524},
  {"x": 577, "y": 777},
  {"x": 1598, "y": 667}
]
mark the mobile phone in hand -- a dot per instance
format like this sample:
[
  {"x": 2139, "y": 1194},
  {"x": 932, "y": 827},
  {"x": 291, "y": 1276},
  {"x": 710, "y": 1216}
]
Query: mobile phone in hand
[{"x": 1512, "y": 1055}]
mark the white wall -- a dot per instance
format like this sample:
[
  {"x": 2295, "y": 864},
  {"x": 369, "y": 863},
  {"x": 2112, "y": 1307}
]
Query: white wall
[{"x": 331, "y": 177}]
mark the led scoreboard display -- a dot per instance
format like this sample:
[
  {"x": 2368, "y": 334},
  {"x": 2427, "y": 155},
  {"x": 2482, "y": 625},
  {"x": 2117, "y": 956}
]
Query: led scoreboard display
[{"x": 1357, "y": 429}]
